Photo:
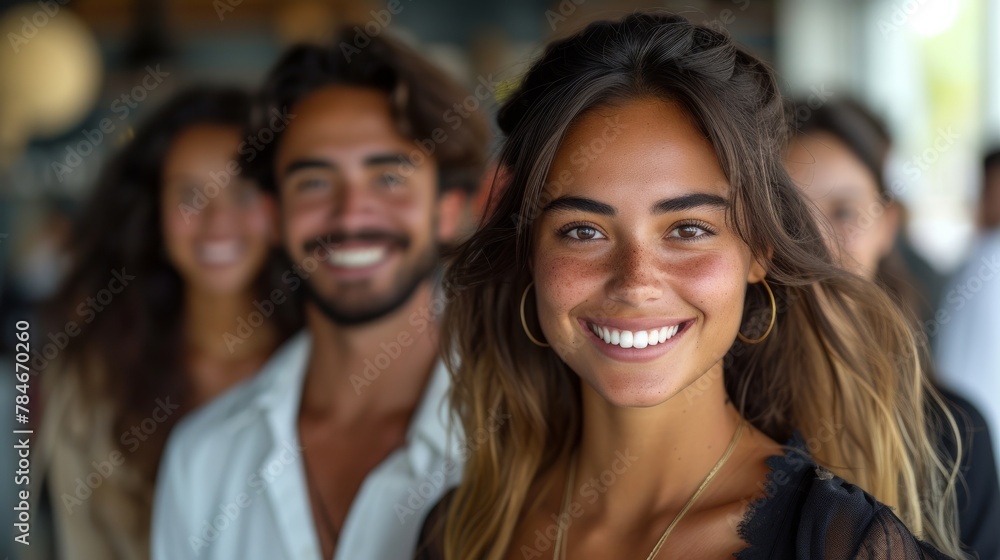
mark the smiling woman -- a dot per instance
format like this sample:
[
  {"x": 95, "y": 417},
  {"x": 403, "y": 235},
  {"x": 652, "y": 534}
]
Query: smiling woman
[
  {"x": 192, "y": 245},
  {"x": 643, "y": 234},
  {"x": 634, "y": 324}
]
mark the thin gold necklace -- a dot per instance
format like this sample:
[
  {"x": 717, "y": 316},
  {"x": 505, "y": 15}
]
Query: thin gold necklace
[
  {"x": 559, "y": 550},
  {"x": 331, "y": 534}
]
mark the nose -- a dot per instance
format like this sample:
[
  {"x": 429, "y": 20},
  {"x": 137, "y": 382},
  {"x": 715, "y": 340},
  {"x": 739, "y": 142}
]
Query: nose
[
  {"x": 636, "y": 276},
  {"x": 353, "y": 203},
  {"x": 220, "y": 216}
]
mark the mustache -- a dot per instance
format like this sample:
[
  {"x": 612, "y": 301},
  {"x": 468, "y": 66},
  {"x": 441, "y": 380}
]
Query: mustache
[{"x": 370, "y": 235}]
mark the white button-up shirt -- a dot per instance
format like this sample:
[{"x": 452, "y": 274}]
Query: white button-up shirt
[{"x": 232, "y": 483}]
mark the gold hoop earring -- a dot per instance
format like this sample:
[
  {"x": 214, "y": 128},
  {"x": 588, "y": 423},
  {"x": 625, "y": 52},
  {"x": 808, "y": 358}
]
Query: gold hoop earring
[
  {"x": 524, "y": 322},
  {"x": 774, "y": 315}
]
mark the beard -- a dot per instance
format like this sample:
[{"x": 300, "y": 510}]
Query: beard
[{"x": 374, "y": 307}]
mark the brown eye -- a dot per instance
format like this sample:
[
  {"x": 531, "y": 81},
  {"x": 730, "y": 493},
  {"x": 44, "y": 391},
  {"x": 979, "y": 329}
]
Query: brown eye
[
  {"x": 844, "y": 214},
  {"x": 189, "y": 195},
  {"x": 584, "y": 233},
  {"x": 689, "y": 231},
  {"x": 391, "y": 180},
  {"x": 245, "y": 194}
]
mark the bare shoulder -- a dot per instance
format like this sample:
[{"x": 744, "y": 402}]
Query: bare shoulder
[{"x": 712, "y": 529}]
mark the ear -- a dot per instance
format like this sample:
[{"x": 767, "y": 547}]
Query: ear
[
  {"x": 888, "y": 226},
  {"x": 756, "y": 273},
  {"x": 757, "y": 269},
  {"x": 450, "y": 209}
]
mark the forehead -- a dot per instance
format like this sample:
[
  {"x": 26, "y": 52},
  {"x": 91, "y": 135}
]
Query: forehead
[
  {"x": 636, "y": 150},
  {"x": 340, "y": 118},
  {"x": 823, "y": 166},
  {"x": 202, "y": 146}
]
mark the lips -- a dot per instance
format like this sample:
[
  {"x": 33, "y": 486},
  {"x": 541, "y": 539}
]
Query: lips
[{"x": 631, "y": 340}]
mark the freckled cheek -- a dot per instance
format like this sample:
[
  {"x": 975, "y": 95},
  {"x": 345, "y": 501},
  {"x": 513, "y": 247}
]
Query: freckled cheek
[
  {"x": 712, "y": 283},
  {"x": 563, "y": 283}
]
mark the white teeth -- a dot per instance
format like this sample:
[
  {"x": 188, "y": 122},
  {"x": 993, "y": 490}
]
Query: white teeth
[
  {"x": 641, "y": 339},
  {"x": 220, "y": 252},
  {"x": 637, "y": 339},
  {"x": 626, "y": 339},
  {"x": 356, "y": 258}
]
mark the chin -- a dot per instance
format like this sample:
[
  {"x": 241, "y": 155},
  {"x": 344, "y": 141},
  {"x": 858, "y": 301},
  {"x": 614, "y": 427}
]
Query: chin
[
  {"x": 221, "y": 283},
  {"x": 631, "y": 391}
]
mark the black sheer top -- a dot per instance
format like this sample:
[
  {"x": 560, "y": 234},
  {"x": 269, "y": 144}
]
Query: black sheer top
[
  {"x": 806, "y": 513},
  {"x": 979, "y": 488}
]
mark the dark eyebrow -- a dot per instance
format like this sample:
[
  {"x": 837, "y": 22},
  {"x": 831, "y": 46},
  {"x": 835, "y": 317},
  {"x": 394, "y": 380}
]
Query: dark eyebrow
[
  {"x": 689, "y": 201},
  {"x": 388, "y": 159},
  {"x": 685, "y": 202},
  {"x": 581, "y": 204},
  {"x": 300, "y": 164},
  {"x": 182, "y": 179},
  {"x": 370, "y": 161}
]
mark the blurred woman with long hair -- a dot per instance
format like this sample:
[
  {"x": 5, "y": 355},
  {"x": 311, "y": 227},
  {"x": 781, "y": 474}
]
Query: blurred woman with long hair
[
  {"x": 173, "y": 264},
  {"x": 651, "y": 309},
  {"x": 838, "y": 156}
]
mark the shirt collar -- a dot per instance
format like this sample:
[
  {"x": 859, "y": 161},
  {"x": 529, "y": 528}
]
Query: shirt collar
[
  {"x": 280, "y": 382},
  {"x": 428, "y": 436},
  {"x": 280, "y": 391}
]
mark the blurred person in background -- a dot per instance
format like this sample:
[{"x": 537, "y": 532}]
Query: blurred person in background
[
  {"x": 172, "y": 248},
  {"x": 38, "y": 265},
  {"x": 968, "y": 348},
  {"x": 337, "y": 448},
  {"x": 39, "y": 261},
  {"x": 837, "y": 157}
]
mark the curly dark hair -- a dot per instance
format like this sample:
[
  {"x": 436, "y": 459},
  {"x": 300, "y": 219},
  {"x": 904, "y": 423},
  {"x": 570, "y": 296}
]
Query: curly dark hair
[{"x": 130, "y": 353}]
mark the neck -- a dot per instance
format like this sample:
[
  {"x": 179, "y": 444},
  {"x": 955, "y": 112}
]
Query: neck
[
  {"x": 221, "y": 346},
  {"x": 212, "y": 326},
  {"x": 372, "y": 369},
  {"x": 658, "y": 456}
]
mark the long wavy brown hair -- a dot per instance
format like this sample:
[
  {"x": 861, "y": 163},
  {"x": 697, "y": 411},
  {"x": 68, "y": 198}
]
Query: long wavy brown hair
[
  {"x": 841, "y": 353},
  {"x": 131, "y": 353}
]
